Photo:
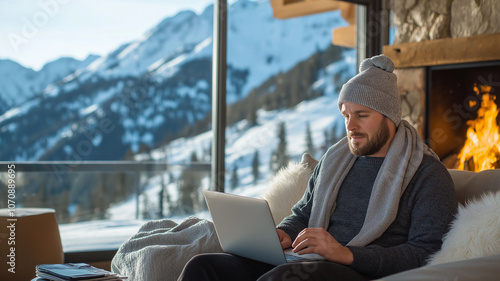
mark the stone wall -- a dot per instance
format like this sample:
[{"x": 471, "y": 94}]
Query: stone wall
[
  {"x": 474, "y": 17},
  {"x": 420, "y": 20},
  {"x": 411, "y": 86}
]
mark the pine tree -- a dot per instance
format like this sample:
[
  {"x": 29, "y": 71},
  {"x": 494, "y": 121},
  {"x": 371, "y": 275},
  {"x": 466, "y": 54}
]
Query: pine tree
[
  {"x": 255, "y": 166},
  {"x": 252, "y": 116},
  {"x": 327, "y": 140},
  {"x": 335, "y": 136},
  {"x": 280, "y": 157},
  {"x": 78, "y": 215},
  {"x": 146, "y": 209},
  {"x": 189, "y": 193},
  {"x": 63, "y": 215},
  {"x": 161, "y": 196},
  {"x": 194, "y": 157},
  {"x": 163, "y": 188},
  {"x": 120, "y": 187},
  {"x": 100, "y": 198},
  {"x": 234, "y": 177},
  {"x": 309, "y": 141},
  {"x": 89, "y": 205},
  {"x": 208, "y": 152},
  {"x": 171, "y": 205}
]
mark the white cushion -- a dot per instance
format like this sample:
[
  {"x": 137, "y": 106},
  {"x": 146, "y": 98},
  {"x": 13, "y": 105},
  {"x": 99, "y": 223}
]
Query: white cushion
[{"x": 288, "y": 186}]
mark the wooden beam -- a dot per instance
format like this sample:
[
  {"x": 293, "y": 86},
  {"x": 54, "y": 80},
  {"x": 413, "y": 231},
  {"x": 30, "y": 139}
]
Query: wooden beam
[
  {"x": 345, "y": 36},
  {"x": 348, "y": 12},
  {"x": 445, "y": 51},
  {"x": 284, "y": 9}
]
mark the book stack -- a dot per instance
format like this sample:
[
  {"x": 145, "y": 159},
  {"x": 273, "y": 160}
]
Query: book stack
[{"x": 74, "y": 271}]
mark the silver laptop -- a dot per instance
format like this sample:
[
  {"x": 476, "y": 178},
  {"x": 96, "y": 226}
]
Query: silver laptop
[{"x": 245, "y": 227}]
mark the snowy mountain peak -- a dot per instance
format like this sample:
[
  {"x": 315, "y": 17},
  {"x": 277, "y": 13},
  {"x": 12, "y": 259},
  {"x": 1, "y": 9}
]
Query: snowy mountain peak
[
  {"x": 166, "y": 40},
  {"x": 20, "y": 83}
]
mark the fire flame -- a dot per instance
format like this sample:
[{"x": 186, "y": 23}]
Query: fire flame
[{"x": 482, "y": 148}]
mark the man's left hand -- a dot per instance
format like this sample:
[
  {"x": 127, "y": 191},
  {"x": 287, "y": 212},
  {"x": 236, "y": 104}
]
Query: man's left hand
[{"x": 319, "y": 241}]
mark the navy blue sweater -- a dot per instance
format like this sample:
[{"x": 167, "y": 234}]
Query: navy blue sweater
[{"x": 425, "y": 212}]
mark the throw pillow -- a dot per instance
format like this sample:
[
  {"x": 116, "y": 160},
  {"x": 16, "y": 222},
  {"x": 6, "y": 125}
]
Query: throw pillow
[{"x": 288, "y": 186}]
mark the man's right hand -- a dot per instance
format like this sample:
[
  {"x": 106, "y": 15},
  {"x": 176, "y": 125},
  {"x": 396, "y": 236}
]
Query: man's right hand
[{"x": 286, "y": 241}]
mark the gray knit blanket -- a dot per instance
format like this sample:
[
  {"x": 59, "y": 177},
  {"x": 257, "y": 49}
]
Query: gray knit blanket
[
  {"x": 161, "y": 248},
  {"x": 400, "y": 164}
]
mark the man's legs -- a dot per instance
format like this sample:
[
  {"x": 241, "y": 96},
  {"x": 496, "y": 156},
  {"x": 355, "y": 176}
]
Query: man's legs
[
  {"x": 312, "y": 271},
  {"x": 223, "y": 267}
]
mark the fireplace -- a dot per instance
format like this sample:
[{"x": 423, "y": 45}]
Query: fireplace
[
  {"x": 455, "y": 95},
  {"x": 443, "y": 84},
  {"x": 448, "y": 65}
]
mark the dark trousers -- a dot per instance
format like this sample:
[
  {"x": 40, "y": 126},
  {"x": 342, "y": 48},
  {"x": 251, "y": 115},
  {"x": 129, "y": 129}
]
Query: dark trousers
[{"x": 229, "y": 267}]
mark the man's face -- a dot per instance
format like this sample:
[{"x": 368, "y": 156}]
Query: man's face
[{"x": 368, "y": 131}]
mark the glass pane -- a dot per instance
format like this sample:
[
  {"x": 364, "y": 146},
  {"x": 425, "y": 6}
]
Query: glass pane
[
  {"x": 392, "y": 28},
  {"x": 283, "y": 81},
  {"x": 99, "y": 103}
]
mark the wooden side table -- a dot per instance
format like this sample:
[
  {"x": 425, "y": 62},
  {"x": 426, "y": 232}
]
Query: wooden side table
[{"x": 29, "y": 237}]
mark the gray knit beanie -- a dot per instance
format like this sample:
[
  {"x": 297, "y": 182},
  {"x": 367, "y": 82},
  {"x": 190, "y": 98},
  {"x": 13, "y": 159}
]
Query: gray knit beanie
[{"x": 375, "y": 86}]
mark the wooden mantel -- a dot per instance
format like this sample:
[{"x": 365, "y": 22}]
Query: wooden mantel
[{"x": 445, "y": 51}]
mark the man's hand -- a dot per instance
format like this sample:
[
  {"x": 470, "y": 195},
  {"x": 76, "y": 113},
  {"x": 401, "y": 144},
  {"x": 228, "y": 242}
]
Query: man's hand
[
  {"x": 319, "y": 241},
  {"x": 286, "y": 241}
]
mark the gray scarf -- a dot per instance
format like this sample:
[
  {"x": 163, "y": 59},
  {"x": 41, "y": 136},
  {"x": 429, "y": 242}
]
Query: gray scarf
[{"x": 400, "y": 164}]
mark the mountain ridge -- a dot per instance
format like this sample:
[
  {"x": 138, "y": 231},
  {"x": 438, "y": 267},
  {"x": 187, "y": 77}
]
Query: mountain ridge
[{"x": 21, "y": 83}]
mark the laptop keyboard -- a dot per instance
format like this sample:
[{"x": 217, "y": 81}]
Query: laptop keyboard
[{"x": 292, "y": 258}]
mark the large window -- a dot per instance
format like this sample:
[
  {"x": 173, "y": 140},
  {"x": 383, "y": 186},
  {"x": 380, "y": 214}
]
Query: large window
[
  {"x": 99, "y": 103},
  {"x": 115, "y": 129}
]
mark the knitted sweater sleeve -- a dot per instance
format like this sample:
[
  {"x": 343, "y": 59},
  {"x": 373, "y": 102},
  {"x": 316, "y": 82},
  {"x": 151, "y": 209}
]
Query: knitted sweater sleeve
[
  {"x": 299, "y": 219},
  {"x": 426, "y": 211}
]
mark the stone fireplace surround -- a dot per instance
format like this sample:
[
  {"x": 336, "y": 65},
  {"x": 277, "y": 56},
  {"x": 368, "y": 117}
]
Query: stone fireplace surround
[{"x": 432, "y": 33}]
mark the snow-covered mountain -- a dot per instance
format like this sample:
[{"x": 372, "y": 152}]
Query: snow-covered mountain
[
  {"x": 156, "y": 86},
  {"x": 18, "y": 83}
]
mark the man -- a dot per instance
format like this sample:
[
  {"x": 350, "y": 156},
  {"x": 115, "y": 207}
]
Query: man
[{"x": 379, "y": 201}]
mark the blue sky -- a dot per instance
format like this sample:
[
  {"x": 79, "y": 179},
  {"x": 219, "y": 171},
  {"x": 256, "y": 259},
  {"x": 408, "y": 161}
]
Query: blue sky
[{"x": 34, "y": 32}]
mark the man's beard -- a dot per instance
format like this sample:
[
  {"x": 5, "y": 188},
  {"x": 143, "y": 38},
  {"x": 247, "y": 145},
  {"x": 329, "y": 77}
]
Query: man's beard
[{"x": 371, "y": 146}]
